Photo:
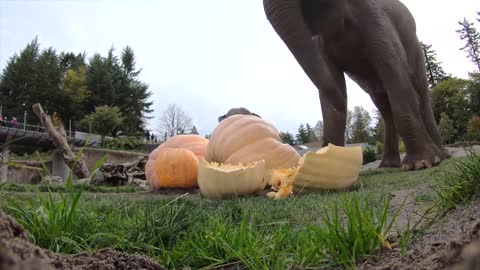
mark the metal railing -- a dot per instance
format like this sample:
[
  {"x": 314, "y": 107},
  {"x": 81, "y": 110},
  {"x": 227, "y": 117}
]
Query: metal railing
[{"x": 30, "y": 128}]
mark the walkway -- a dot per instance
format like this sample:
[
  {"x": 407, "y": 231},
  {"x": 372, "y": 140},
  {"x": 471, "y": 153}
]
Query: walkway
[{"x": 36, "y": 135}]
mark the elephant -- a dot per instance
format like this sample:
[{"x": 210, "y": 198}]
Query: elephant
[
  {"x": 233, "y": 111},
  {"x": 374, "y": 42}
]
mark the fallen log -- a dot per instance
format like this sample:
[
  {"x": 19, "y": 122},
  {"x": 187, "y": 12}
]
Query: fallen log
[{"x": 59, "y": 139}]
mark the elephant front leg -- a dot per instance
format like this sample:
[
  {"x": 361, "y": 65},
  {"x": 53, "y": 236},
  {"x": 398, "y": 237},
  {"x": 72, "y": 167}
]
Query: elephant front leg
[
  {"x": 391, "y": 154},
  {"x": 333, "y": 100}
]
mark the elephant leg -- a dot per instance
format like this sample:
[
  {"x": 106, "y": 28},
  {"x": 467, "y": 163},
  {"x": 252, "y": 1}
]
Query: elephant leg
[
  {"x": 334, "y": 109},
  {"x": 420, "y": 81},
  {"x": 391, "y": 154},
  {"x": 392, "y": 67}
]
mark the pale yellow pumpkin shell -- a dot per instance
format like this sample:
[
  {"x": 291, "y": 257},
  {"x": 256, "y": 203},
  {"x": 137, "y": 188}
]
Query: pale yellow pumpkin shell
[
  {"x": 224, "y": 180},
  {"x": 236, "y": 132},
  {"x": 332, "y": 167}
]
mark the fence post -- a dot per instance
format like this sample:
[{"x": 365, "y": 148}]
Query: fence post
[{"x": 24, "y": 120}]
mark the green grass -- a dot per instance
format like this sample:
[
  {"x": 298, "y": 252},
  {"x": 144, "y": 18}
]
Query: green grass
[
  {"x": 253, "y": 232},
  {"x": 328, "y": 229},
  {"x": 460, "y": 184},
  {"x": 85, "y": 187}
]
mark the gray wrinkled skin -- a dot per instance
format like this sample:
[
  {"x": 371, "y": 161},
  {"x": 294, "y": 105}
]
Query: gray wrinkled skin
[{"x": 374, "y": 42}]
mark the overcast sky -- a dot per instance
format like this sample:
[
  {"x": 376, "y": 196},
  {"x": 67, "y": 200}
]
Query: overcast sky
[{"x": 209, "y": 56}]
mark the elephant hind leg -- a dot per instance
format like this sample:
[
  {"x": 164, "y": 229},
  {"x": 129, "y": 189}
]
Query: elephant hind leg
[
  {"x": 417, "y": 64},
  {"x": 394, "y": 71}
]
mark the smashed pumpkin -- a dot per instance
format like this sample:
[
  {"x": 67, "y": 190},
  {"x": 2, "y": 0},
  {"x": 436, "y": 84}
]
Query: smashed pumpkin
[
  {"x": 330, "y": 168},
  {"x": 223, "y": 180}
]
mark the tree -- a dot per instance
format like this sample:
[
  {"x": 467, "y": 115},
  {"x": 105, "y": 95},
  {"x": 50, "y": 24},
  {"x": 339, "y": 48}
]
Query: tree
[
  {"x": 105, "y": 120},
  {"x": 133, "y": 94},
  {"x": 435, "y": 72},
  {"x": 194, "y": 130},
  {"x": 287, "y": 138},
  {"x": 348, "y": 127},
  {"x": 473, "y": 90},
  {"x": 360, "y": 125},
  {"x": 175, "y": 121},
  {"x": 76, "y": 91},
  {"x": 472, "y": 38},
  {"x": 302, "y": 135},
  {"x": 473, "y": 132},
  {"x": 378, "y": 131},
  {"x": 318, "y": 129},
  {"x": 451, "y": 97},
  {"x": 447, "y": 130},
  {"x": 310, "y": 133}
]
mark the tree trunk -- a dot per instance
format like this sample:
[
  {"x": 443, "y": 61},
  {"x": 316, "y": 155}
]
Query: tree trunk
[{"x": 58, "y": 136}]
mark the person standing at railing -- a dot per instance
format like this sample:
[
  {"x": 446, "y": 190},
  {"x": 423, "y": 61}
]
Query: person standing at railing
[
  {"x": 5, "y": 121},
  {"x": 14, "y": 122},
  {"x": 1, "y": 121}
]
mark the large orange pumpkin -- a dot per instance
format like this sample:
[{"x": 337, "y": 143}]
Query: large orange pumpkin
[
  {"x": 174, "y": 168},
  {"x": 242, "y": 139},
  {"x": 195, "y": 143}
]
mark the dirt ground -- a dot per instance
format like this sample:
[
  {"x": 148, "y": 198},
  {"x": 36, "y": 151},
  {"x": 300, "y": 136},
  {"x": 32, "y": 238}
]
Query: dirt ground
[
  {"x": 18, "y": 253},
  {"x": 453, "y": 243}
]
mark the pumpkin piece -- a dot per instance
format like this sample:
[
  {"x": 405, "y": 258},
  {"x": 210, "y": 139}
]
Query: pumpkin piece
[
  {"x": 224, "y": 180},
  {"x": 331, "y": 167},
  {"x": 241, "y": 139},
  {"x": 281, "y": 181},
  {"x": 173, "y": 168}
]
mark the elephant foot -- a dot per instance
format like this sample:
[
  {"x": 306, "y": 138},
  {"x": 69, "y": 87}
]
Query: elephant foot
[
  {"x": 418, "y": 160},
  {"x": 392, "y": 161}
]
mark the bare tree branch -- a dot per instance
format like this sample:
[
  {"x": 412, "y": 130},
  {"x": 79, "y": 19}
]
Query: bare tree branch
[{"x": 175, "y": 121}]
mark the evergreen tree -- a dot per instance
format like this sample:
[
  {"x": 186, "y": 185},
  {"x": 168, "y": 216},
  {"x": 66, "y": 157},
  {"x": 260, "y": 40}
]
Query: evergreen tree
[
  {"x": 310, "y": 133},
  {"x": 194, "y": 130},
  {"x": 472, "y": 39},
  {"x": 348, "y": 127},
  {"x": 18, "y": 82},
  {"x": 379, "y": 129},
  {"x": 319, "y": 130},
  {"x": 360, "y": 125},
  {"x": 447, "y": 130},
  {"x": 287, "y": 138},
  {"x": 435, "y": 72},
  {"x": 302, "y": 135}
]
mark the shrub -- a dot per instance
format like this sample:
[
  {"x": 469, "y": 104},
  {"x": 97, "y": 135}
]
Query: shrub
[
  {"x": 474, "y": 129},
  {"x": 379, "y": 146},
  {"x": 127, "y": 143},
  {"x": 401, "y": 147},
  {"x": 369, "y": 155}
]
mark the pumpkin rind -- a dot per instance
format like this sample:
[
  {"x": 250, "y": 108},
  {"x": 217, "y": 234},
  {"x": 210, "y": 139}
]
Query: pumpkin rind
[
  {"x": 241, "y": 139},
  {"x": 332, "y": 167},
  {"x": 219, "y": 181},
  {"x": 173, "y": 168}
]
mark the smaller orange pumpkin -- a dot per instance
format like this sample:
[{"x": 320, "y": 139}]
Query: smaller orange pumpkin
[{"x": 174, "y": 168}]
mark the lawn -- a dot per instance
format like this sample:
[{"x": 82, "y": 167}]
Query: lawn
[{"x": 307, "y": 231}]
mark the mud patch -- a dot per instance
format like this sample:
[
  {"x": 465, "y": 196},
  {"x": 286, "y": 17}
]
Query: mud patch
[
  {"x": 18, "y": 253},
  {"x": 450, "y": 244}
]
